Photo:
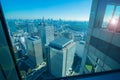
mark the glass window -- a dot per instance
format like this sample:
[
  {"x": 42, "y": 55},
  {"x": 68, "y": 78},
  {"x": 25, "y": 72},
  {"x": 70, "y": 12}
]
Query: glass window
[
  {"x": 117, "y": 13},
  {"x": 111, "y": 18},
  {"x": 113, "y": 24},
  {"x": 44, "y": 35},
  {"x": 108, "y": 15},
  {"x": 48, "y": 38}
]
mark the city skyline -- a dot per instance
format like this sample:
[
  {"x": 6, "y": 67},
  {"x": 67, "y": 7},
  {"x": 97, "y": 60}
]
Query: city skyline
[{"x": 78, "y": 10}]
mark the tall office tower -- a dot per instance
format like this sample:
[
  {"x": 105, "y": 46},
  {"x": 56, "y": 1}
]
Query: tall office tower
[
  {"x": 31, "y": 28},
  {"x": 61, "y": 56},
  {"x": 46, "y": 34},
  {"x": 34, "y": 48},
  {"x": 102, "y": 49}
]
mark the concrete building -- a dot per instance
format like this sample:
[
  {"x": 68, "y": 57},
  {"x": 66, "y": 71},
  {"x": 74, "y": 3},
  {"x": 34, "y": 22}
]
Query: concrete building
[
  {"x": 31, "y": 28},
  {"x": 61, "y": 56},
  {"x": 46, "y": 34},
  {"x": 34, "y": 48},
  {"x": 102, "y": 49}
]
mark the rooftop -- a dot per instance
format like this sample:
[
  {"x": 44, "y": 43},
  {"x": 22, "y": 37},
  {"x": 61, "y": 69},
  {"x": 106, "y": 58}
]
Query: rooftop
[{"x": 60, "y": 43}]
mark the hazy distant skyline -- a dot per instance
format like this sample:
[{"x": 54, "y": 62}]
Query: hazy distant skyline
[{"x": 78, "y": 10}]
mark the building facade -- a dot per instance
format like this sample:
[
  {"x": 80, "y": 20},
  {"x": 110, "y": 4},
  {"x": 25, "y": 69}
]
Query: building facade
[
  {"x": 61, "y": 56},
  {"x": 34, "y": 48},
  {"x": 46, "y": 34},
  {"x": 102, "y": 49}
]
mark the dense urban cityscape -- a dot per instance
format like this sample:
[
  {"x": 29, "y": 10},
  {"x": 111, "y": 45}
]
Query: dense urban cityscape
[
  {"x": 60, "y": 39},
  {"x": 40, "y": 44}
]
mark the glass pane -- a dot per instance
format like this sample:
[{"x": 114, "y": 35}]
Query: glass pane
[
  {"x": 117, "y": 12},
  {"x": 108, "y": 15},
  {"x": 113, "y": 22},
  {"x": 116, "y": 16},
  {"x": 48, "y": 37}
]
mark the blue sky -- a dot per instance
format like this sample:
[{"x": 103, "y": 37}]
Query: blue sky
[{"x": 36, "y": 9}]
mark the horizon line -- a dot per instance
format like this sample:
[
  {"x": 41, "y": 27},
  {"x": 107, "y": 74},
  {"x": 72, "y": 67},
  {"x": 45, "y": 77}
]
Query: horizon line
[{"x": 42, "y": 18}]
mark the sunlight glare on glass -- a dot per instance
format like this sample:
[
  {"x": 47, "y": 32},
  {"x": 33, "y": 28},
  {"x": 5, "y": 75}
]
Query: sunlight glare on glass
[{"x": 114, "y": 21}]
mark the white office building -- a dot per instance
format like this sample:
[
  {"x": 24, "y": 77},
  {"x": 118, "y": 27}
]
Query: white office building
[
  {"x": 46, "y": 34},
  {"x": 61, "y": 56},
  {"x": 34, "y": 48}
]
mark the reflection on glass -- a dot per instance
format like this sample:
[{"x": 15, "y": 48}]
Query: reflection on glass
[
  {"x": 113, "y": 24},
  {"x": 108, "y": 15},
  {"x": 50, "y": 46},
  {"x": 53, "y": 46}
]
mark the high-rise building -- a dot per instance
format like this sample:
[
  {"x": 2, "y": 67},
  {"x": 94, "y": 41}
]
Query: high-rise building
[
  {"x": 61, "y": 56},
  {"x": 34, "y": 48},
  {"x": 31, "y": 28},
  {"x": 102, "y": 49},
  {"x": 46, "y": 34}
]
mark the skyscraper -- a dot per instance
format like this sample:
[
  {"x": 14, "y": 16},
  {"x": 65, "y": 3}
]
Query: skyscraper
[
  {"x": 31, "y": 28},
  {"x": 61, "y": 56},
  {"x": 46, "y": 34},
  {"x": 102, "y": 49},
  {"x": 34, "y": 48}
]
